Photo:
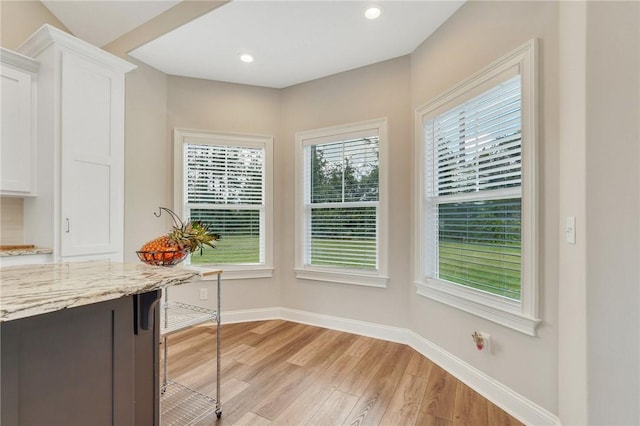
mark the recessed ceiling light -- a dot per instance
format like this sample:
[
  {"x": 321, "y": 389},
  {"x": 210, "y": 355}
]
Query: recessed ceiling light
[
  {"x": 373, "y": 12},
  {"x": 245, "y": 57}
]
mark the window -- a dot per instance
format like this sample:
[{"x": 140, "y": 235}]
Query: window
[
  {"x": 341, "y": 196},
  {"x": 224, "y": 180},
  {"x": 477, "y": 213}
]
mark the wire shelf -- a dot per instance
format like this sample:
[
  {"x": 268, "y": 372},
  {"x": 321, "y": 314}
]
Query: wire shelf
[
  {"x": 177, "y": 316},
  {"x": 182, "y": 406}
]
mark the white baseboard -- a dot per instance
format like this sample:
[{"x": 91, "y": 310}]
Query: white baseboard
[
  {"x": 504, "y": 397},
  {"x": 379, "y": 331},
  {"x": 248, "y": 315}
]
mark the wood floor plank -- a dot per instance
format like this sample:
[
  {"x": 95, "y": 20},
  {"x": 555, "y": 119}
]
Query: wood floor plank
[
  {"x": 419, "y": 366},
  {"x": 252, "y": 419},
  {"x": 335, "y": 410},
  {"x": 258, "y": 393},
  {"x": 266, "y": 326},
  {"x": 440, "y": 395},
  {"x": 323, "y": 382},
  {"x": 326, "y": 337},
  {"x": 272, "y": 345},
  {"x": 303, "y": 408},
  {"x": 358, "y": 380},
  {"x": 290, "y": 345},
  {"x": 315, "y": 366},
  {"x": 470, "y": 408},
  {"x": 333, "y": 378},
  {"x": 232, "y": 335},
  {"x": 341, "y": 368},
  {"x": 238, "y": 352},
  {"x": 286, "y": 390},
  {"x": 360, "y": 346},
  {"x": 405, "y": 405},
  {"x": 498, "y": 417},
  {"x": 379, "y": 393},
  {"x": 228, "y": 388},
  {"x": 429, "y": 420}
]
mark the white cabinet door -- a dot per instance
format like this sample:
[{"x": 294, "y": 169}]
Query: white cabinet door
[
  {"x": 79, "y": 210},
  {"x": 92, "y": 153},
  {"x": 18, "y": 132}
]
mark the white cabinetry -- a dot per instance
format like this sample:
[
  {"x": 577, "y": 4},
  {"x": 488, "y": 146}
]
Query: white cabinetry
[
  {"x": 18, "y": 93},
  {"x": 79, "y": 210}
]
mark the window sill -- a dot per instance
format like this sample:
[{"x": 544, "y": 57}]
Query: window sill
[
  {"x": 342, "y": 277},
  {"x": 501, "y": 311},
  {"x": 235, "y": 272}
]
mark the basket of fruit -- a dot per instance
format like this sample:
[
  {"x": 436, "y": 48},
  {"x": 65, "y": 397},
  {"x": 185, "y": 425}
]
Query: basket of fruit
[
  {"x": 182, "y": 239},
  {"x": 162, "y": 257}
]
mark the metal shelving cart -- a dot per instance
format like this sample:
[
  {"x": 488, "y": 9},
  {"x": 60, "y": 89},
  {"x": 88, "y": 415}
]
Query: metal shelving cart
[{"x": 180, "y": 405}]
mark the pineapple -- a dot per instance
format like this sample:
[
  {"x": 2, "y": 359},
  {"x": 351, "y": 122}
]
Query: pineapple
[{"x": 183, "y": 238}]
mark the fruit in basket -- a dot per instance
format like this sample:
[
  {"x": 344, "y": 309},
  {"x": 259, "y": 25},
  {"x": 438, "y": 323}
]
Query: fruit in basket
[
  {"x": 161, "y": 249},
  {"x": 183, "y": 238}
]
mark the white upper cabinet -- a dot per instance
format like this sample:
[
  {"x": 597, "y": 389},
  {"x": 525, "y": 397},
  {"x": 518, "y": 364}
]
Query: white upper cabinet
[
  {"x": 18, "y": 124},
  {"x": 80, "y": 206}
]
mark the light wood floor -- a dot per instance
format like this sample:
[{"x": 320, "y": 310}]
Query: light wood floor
[{"x": 284, "y": 373}]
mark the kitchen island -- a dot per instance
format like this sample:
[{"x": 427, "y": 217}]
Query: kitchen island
[{"x": 79, "y": 342}]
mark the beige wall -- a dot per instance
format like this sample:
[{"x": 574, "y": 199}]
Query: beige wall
[
  {"x": 572, "y": 292},
  {"x": 226, "y": 107},
  {"x": 148, "y": 166},
  {"x": 613, "y": 212},
  {"x": 478, "y": 34},
  {"x": 20, "y": 19},
  {"x": 11, "y": 221},
  {"x": 379, "y": 90}
]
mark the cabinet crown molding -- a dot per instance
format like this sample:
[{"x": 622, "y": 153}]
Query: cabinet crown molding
[
  {"x": 9, "y": 57},
  {"x": 48, "y": 35}
]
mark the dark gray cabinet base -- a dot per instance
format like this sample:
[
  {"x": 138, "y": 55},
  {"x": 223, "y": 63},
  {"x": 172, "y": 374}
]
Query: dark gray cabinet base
[{"x": 91, "y": 365}]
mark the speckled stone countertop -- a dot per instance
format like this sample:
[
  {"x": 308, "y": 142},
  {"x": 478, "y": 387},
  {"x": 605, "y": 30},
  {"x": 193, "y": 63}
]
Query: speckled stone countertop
[
  {"x": 31, "y": 290},
  {"x": 25, "y": 251}
]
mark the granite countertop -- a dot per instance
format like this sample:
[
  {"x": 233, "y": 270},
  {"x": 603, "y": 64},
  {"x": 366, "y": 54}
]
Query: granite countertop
[
  {"x": 25, "y": 251},
  {"x": 31, "y": 290}
]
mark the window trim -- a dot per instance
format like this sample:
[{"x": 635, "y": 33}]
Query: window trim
[
  {"x": 374, "y": 278},
  {"x": 181, "y": 137},
  {"x": 521, "y": 316}
]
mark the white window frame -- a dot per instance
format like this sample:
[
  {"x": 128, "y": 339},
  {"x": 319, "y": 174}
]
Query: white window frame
[
  {"x": 185, "y": 136},
  {"x": 375, "y": 277},
  {"x": 522, "y": 315}
]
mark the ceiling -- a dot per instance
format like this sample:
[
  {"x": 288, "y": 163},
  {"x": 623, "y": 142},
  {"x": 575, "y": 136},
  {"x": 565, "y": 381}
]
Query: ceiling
[
  {"x": 100, "y": 22},
  {"x": 291, "y": 41}
]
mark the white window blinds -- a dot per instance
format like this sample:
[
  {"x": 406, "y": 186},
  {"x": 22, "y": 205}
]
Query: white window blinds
[
  {"x": 476, "y": 146},
  {"x": 473, "y": 187},
  {"x": 224, "y": 174},
  {"x": 224, "y": 187},
  {"x": 341, "y": 203}
]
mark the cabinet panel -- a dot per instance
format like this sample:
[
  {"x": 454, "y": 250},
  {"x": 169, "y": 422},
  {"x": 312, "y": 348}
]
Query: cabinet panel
[
  {"x": 70, "y": 367},
  {"x": 86, "y": 108},
  {"x": 16, "y": 172},
  {"x": 92, "y": 158},
  {"x": 87, "y": 223}
]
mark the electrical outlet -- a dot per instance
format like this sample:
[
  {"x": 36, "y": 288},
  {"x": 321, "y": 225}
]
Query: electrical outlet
[
  {"x": 482, "y": 341},
  {"x": 204, "y": 293}
]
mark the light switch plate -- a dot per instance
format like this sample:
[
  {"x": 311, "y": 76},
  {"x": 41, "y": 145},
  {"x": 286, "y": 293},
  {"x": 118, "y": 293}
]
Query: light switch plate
[{"x": 570, "y": 230}]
